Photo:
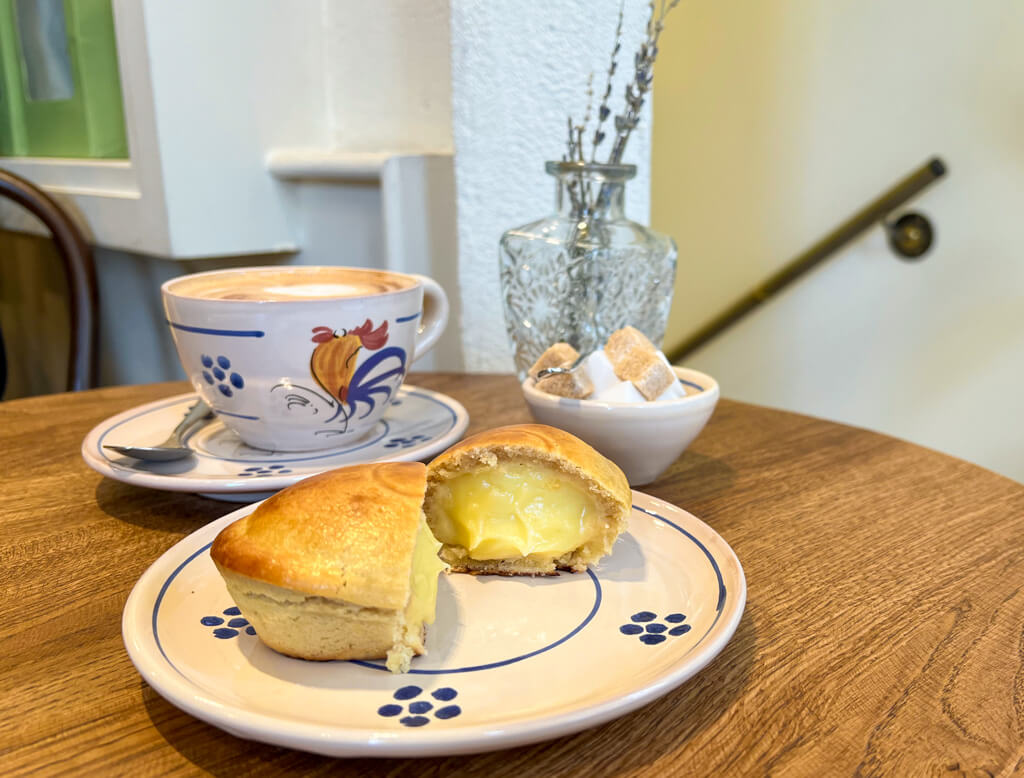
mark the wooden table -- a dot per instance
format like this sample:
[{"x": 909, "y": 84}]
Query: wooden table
[{"x": 882, "y": 635}]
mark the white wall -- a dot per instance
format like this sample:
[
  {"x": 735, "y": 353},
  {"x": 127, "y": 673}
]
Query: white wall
[
  {"x": 388, "y": 75},
  {"x": 359, "y": 77},
  {"x": 518, "y": 70},
  {"x": 494, "y": 81},
  {"x": 777, "y": 120}
]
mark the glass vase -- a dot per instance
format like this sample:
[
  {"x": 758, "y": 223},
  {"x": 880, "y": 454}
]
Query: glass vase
[{"x": 586, "y": 270}]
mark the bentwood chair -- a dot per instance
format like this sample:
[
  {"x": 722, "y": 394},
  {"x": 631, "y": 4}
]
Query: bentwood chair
[{"x": 80, "y": 271}]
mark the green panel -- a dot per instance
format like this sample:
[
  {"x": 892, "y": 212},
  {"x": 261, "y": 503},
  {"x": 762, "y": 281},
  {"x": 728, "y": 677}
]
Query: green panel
[
  {"x": 53, "y": 128},
  {"x": 96, "y": 56},
  {"x": 77, "y": 109},
  {"x": 12, "y": 118}
]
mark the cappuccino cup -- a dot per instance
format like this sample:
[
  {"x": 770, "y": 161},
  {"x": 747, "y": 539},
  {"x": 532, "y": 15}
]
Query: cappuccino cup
[{"x": 301, "y": 358}]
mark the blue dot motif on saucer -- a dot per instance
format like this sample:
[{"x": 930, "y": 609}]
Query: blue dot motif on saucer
[
  {"x": 648, "y": 630},
  {"x": 406, "y": 442},
  {"x": 264, "y": 470},
  {"x": 420, "y": 710}
]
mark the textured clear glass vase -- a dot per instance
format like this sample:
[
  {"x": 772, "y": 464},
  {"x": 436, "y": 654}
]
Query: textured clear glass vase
[{"x": 586, "y": 270}]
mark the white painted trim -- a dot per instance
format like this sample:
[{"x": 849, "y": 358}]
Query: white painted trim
[
  {"x": 106, "y": 177},
  {"x": 326, "y": 165},
  {"x": 311, "y": 164},
  {"x": 150, "y": 232},
  {"x": 418, "y": 214},
  {"x": 417, "y": 206}
]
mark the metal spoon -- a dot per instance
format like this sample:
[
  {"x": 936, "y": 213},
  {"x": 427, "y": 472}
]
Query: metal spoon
[
  {"x": 172, "y": 448},
  {"x": 559, "y": 370}
]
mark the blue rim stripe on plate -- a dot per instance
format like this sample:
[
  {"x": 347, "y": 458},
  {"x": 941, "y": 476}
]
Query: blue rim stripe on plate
[
  {"x": 719, "y": 608},
  {"x": 211, "y": 331},
  {"x": 720, "y": 605},
  {"x": 159, "y": 599},
  {"x": 332, "y": 453},
  {"x": 698, "y": 387},
  {"x": 402, "y": 319},
  {"x": 503, "y": 662}
]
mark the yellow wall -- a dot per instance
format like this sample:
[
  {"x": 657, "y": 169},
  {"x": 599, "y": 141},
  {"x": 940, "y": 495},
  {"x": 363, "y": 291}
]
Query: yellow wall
[
  {"x": 774, "y": 121},
  {"x": 714, "y": 161}
]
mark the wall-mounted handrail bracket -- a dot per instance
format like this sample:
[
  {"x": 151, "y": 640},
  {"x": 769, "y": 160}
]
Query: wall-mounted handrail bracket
[{"x": 910, "y": 236}]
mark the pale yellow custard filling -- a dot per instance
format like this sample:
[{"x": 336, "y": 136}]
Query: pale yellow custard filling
[
  {"x": 514, "y": 509},
  {"x": 425, "y": 568},
  {"x": 420, "y": 609}
]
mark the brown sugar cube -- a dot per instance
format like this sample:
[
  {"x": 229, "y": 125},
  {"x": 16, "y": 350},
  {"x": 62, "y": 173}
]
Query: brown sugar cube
[
  {"x": 575, "y": 384},
  {"x": 649, "y": 375},
  {"x": 624, "y": 342},
  {"x": 558, "y": 355},
  {"x": 634, "y": 358}
]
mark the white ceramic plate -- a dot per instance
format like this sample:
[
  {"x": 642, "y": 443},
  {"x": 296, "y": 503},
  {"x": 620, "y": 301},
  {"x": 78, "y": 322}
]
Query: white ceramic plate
[
  {"x": 418, "y": 424},
  {"x": 511, "y": 660}
]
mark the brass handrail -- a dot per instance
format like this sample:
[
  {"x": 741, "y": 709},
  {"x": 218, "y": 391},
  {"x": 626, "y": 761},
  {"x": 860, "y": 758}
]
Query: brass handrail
[{"x": 871, "y": 214}]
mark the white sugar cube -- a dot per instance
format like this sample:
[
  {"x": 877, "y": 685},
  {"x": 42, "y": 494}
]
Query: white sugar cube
[
  {"x": 675, "y": 391},
  {"x": 620, "y": 392},
  {"x": 600, "y": 371}
]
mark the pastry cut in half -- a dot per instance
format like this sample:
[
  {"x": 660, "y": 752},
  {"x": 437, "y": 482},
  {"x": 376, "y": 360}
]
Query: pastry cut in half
[
  {"x": 339, "y": 566},
  {"x": 525, "y": 500}
]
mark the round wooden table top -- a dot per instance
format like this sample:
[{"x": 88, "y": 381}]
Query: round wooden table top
[{"x": 883, "y": 632}]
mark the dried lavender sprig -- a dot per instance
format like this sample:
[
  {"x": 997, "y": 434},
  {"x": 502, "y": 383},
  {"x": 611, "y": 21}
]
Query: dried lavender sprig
[
  {"x": 590, "y": 100},
  {"x": 574, "y": 147},
  {"x": 576, "y": 131},
  {"x": 642, "y": 80},
  {"x": 604, "y": 110}
]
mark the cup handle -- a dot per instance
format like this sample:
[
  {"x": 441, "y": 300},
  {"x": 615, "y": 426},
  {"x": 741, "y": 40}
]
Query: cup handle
[{"x": 435, "y": 316}]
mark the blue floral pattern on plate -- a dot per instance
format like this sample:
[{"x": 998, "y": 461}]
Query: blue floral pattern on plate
[
  {"x": 234, "y": 626},
  {"x": 418, "y": 708},
  {"x": 651, "y": 632}
]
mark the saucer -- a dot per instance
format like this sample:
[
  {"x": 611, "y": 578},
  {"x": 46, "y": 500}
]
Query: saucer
[
  {"x": 509, "y": 661},
  {"x": 418, "y": 424}
]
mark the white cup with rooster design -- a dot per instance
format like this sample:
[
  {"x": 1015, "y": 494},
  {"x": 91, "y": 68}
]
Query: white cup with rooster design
[{"x": 301, "y": 358}]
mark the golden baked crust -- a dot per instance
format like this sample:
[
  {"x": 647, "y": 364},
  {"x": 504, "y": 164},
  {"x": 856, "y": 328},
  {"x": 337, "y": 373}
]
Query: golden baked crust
[
  {"x": 346, "y": 534},
  {"x": 544, "y": 443},
  {"x": 555, "y": 448},
  {"x": 321, "y": 628}
]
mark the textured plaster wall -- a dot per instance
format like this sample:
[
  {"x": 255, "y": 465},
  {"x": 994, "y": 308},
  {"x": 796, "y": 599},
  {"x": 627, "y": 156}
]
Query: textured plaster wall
[{"x": 518, "y": 69}]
